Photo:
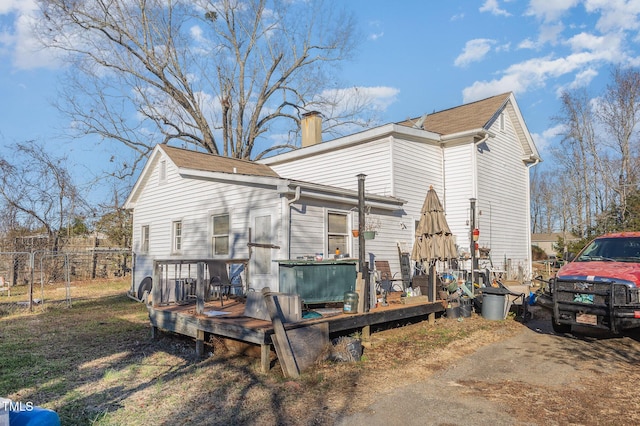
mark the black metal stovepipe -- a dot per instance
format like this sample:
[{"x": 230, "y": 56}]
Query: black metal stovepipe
[{"x": 361, "y": 247}]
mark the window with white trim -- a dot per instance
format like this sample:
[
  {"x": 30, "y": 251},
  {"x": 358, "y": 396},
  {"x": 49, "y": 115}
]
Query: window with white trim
[
  {"x": 144, "y": 239},
  {"x": 220, "y": 230},
  {"x": 337, "y": 233},
  {"x": 177, "y": 236}
]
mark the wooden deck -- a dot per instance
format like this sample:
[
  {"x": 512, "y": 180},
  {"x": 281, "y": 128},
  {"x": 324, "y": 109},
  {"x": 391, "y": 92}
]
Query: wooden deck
[{"x": 183, "y": 319}]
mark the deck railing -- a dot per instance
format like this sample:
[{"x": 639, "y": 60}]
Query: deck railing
[{"x": 183, "y": 281}]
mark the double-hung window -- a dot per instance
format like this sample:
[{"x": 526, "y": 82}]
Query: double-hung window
[
  {"x": 144, "y": 239},
  {"x": 338, "y": 233},
  {"x": 220, "y": 234},
  {"x": 177, "y": 236}
]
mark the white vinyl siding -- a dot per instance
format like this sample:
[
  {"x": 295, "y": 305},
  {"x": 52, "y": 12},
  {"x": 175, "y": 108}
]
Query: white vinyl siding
[
  {"x": 340, "y": 167},
  {"x": 459, "y": 188},
  {"x": 193, "y": 201},
  {"x": 503, "y": 203},
  {"x": 394, "y": 167},
  {"x": 307, "y": 230}
]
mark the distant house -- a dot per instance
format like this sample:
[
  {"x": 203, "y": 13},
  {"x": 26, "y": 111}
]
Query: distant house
[
  {"x": 547, "y": 241},
  {"x": 303, "y": 202}
]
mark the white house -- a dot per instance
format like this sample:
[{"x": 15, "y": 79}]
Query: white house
[{"x": 194, "y": 205}]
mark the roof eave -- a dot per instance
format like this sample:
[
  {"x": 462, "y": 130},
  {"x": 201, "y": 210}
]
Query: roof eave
[
  {"x": 376, "y": 133},
  {"x": 229, "y": 177},
  {"x": 479, "y": 132}
]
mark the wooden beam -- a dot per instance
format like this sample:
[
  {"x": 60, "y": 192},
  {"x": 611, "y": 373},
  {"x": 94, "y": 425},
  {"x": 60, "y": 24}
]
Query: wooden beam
[{"x": 280, "y": 339}]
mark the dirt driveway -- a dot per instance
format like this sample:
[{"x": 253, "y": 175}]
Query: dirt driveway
[{"x": 533, "y": 378}]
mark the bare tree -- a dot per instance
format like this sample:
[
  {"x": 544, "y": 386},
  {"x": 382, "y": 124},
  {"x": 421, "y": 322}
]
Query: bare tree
[
  {"x": 214, "y": 75},
  {"x": 619, "y": 112},
  {"x": 579, "y": 154},
  {"x": 39, "y": 190},
  {"x": 546, "y": 190}
]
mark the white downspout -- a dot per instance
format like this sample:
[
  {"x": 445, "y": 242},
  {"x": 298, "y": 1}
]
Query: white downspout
[
  {"x": 290, "y": 202},
  {"x": 296, "y": 197}
]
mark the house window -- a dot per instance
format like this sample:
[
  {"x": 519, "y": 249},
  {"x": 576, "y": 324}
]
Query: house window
[
  {"x": 337, "y": 235},
  {"x": 162, "y": 173},
  {"x": 220, "y": 234},
  {"x": 502, "y": 122},
  {"x": 144, "y": 239},
  {"x": 177, "y": 236}
]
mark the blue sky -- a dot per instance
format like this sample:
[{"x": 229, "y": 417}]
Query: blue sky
[{"x": 416, "y": 57}]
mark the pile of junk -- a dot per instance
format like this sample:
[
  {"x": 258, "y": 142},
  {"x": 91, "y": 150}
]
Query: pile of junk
[{"x": 489, "y": 297}]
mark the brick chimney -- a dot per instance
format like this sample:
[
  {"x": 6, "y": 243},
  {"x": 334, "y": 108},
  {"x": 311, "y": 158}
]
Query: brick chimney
[{"x": 311, "y": 124}]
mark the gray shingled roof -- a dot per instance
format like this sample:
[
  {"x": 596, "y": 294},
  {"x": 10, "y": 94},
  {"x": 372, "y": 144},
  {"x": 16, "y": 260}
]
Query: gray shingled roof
[
  {"x": 474, "y": 115},
  {"x": 188, "y": 159}
]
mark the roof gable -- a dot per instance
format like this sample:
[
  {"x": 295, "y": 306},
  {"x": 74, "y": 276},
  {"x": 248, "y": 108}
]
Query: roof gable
[
  {"x": 472, "y": 116},
  {"x": 193, "y": 163},
  {"x": 478, "y": 115}
]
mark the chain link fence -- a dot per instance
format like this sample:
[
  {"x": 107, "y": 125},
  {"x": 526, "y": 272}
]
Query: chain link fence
[{"x": 41, "y": 267}]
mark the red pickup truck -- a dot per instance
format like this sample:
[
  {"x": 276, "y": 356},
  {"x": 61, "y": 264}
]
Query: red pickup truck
[{"x": 599, "y": 287}]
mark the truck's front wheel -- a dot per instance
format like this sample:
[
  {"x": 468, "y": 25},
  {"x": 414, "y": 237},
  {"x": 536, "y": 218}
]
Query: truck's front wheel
[{"x": 560, "y": 328}]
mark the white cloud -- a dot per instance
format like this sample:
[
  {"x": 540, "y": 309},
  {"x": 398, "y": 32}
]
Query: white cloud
[
  {"x": 492, "y": 7},
  {"x": 550, "y": 33},
  {"x": 533, "y": 73},
  {"x": 616, "y": 15},
  {"x": 544, "y": 140},
  {"x": 18, "y": 42},
  {"x": 550, "y": 10},
  {"x": 197, "y": 34},
  {"x": 376, "y": 34},
  {"x": 504, "y": 47},
  {"x": 10, "y": 6},
  {"x": 474, "y": 51},
  {"x": 608, "y": 45},
  {"x": 583, "y": 78},
  {"x": 527, "y": 44}
]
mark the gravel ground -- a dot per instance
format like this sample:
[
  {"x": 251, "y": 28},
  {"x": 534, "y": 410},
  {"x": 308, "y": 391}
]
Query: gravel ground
[{"x": 535, "y": 377}]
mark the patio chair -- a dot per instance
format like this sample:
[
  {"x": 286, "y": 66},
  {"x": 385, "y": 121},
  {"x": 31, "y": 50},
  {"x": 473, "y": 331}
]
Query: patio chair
[
  {"x": 219, "y": 282},
  {"x": 385, "y": 280}
]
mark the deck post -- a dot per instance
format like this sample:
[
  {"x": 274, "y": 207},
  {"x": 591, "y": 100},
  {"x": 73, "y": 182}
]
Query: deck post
[
  {"x": 200, "y": 289},
  {"x": 265, "y": 357},
  {"x": 200, "y": 344},
  {"x": 366, "y": 334},
  {"x": 157, "y": 284},
  {"x": 154, "y": 332}
]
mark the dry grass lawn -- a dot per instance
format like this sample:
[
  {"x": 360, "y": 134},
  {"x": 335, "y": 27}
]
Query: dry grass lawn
[{"x": 95, "y": 363}]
